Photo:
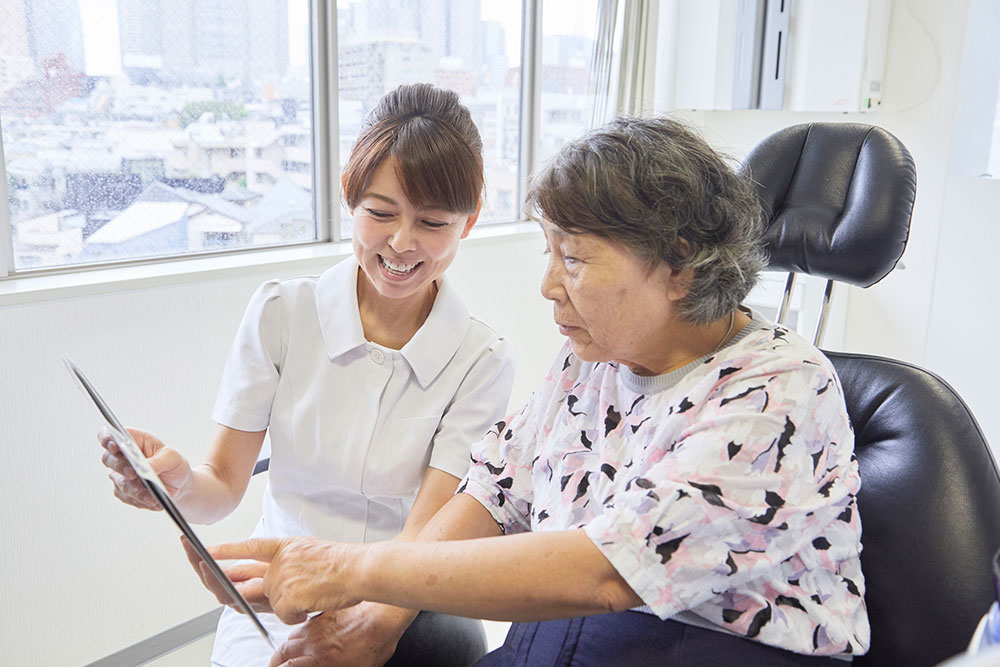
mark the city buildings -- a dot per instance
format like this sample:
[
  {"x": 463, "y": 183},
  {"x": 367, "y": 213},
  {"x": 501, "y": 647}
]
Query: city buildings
[{"x": 210, "y": 114}]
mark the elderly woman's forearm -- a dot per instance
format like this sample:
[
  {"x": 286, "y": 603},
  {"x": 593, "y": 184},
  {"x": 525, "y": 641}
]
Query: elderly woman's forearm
[{"x": 532, "y": 576}]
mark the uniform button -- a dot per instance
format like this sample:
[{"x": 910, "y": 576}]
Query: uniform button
[{"x": 377, "y": 356}]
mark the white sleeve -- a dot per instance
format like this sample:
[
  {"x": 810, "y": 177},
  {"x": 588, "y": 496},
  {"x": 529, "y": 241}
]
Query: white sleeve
[
  {"x": 479, "y": 403},
  {"x": 250, "y": 378}
]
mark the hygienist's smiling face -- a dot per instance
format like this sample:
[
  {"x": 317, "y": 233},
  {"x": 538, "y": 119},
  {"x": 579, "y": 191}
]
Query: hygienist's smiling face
[
  {"x": 401, "y": 249},
  {"x": 607, "y": 301}
]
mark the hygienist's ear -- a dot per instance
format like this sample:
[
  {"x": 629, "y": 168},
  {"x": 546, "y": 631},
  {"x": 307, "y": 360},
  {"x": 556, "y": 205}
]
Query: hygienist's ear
[{"x": 471, "y": 221}]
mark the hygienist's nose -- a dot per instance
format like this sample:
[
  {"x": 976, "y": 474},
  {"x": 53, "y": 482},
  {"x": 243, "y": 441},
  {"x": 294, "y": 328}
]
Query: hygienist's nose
[{"x": 402, "y": 238}]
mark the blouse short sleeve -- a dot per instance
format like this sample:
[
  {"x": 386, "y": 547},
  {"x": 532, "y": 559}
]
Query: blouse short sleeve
[
  {"x": 500, "y": 476},
  {"x": 481, "y": 399},
  {"x": 251, "y": 374}
]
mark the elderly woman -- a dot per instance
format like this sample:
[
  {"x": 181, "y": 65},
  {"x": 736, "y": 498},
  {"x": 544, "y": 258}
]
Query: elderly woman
[{"x": 681, "y": 487}]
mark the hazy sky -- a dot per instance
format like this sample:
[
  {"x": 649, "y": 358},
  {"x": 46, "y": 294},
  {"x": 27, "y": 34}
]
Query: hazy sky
[
  {"x": 100, "y": 28},
  {"x": 100, "y": 37}
]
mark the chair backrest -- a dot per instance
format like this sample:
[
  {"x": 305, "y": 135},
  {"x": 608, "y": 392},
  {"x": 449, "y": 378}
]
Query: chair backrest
[
  {"x": 930, "y": 510},
  {"x": 838, "y": 198}
]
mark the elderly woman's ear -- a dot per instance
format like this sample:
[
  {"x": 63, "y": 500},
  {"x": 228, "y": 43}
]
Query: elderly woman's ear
[{"x": 679, "y": 283}]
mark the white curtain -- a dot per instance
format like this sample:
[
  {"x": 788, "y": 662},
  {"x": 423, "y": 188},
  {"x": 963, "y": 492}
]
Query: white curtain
[
  {"x": 638, "y": 57},
  {"x": 622, "y": 67}
]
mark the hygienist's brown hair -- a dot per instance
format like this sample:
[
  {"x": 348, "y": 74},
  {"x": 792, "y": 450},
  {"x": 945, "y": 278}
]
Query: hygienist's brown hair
[{"x": 429, "y": 136}]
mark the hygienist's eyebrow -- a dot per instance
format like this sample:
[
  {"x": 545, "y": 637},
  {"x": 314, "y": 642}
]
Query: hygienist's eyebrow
[{"x": 375, "y": 195}]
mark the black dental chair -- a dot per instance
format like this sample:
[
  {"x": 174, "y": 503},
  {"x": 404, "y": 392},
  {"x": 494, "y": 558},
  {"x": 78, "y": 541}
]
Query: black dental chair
[{"x": 838, "y": 197}]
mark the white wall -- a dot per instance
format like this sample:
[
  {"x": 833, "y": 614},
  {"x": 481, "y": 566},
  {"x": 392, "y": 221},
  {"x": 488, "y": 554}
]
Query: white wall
[
  {"x": 83, "y": 575},
  {"x": 938, "y": 311}
]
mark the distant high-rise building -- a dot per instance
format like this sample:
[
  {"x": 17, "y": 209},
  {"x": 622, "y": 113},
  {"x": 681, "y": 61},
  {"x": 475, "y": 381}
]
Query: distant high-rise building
[
  {"x": 53, "y": 28},
  {"x": 493, "y": 54},
  {"x": 368, "y": 69},
  {"x": 386, "y": 42},
  {"x": 16, "y": 63},
  {"x": 567, "y": 50},
  {"x": 203, "y": 41}
]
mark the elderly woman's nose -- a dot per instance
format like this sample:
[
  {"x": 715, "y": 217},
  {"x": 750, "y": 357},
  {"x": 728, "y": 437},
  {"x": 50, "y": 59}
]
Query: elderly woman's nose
[{"x": 551, "y": 286}]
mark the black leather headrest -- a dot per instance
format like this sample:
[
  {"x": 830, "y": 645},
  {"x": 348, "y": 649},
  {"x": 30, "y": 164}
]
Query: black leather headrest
[{"x": 838, "y": 196}]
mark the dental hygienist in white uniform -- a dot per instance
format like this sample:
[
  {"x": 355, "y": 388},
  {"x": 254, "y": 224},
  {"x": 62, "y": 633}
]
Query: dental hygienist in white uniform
[{"x": 372, "y": 380}]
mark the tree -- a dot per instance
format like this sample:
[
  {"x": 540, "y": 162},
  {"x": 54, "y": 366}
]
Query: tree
[{"x": 192, "y": 111}]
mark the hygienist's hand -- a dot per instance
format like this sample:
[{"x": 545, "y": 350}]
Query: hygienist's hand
[
  {"x": 248, "y": 578},
  {"x": 365, "y": 635},
  {"x": 304, "y": 574},
  {"x": 172, "y": 468}
]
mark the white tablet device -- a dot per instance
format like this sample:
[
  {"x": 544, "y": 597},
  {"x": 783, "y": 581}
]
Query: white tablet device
[{"x": 156, "y": 487}]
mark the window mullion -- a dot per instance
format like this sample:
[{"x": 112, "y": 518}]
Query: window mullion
[
  {"x": 531, "y": 79},
  {"x": 326, "y": 147},
  {"x": 6, "y": 228}
]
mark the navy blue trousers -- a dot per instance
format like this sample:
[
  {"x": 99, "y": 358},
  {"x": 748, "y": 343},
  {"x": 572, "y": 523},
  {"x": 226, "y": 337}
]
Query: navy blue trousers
[
  {"x": 440, "y": 640},
  {"x": 634, "y": 638}
]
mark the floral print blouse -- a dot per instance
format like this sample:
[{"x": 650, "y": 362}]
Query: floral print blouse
[{"x": 725, "y": 489}]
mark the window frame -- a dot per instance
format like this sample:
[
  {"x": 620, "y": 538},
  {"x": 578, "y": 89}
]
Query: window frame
[
  {"x": 326, "y": 158},
  {"x": 6, "y": 228}
]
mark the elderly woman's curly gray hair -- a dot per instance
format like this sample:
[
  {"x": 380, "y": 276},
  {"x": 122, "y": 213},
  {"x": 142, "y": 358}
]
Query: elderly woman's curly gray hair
[{"x": 656, "y": 186}]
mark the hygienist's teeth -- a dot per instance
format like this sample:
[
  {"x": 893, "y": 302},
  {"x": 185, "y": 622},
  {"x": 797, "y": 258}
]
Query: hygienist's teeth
[{"x": 399, "y": 268}]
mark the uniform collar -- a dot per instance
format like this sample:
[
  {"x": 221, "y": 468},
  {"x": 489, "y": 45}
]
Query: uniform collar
[
  {"x": 337, "y": 306},
  {"x": 437, "y": 341},
  {"x": 430, "y": 349}
]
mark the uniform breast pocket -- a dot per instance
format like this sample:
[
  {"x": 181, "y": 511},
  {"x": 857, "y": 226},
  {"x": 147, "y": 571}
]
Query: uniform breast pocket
[{"x": 401, "y": 455}]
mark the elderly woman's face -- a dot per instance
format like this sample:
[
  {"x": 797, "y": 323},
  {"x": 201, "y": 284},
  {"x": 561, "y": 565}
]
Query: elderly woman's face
[{"x": 607, "y": 302}]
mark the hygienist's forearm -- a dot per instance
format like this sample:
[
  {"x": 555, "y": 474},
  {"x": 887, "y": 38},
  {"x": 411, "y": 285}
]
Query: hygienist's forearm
[
  {"x": 532, "y": 576},
  {"x": 205, "y": 498},
  {"x": 216, "y": 486}
]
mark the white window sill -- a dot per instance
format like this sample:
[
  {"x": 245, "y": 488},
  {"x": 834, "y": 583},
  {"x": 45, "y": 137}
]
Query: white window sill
[{"x": 99, "y": 280}]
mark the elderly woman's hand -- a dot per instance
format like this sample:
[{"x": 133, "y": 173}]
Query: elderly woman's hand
[
  {"x": 303, "y": 574},
  {"x": 247, "y": 577}
]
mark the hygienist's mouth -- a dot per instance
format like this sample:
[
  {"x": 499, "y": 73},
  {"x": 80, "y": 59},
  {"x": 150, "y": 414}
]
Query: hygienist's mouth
[{"x": 397, "y": 269}]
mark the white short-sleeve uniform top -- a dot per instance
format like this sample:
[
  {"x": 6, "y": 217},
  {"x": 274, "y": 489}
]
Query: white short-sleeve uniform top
[{"x": 353, "y": 425}]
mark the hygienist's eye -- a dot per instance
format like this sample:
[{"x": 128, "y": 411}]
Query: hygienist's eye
[
  {"x": 434, "y": 224},
  {"x": 379, "y": 215}
]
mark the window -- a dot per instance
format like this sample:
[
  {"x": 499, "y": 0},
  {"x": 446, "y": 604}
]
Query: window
[
  {"x": 470, "y": 46},
  {"x": 127, "y": 125},
  {"x": 569, "y": 28},
  {"x": 993, "y": 163},
  {"x": 135, "y": 129}
]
